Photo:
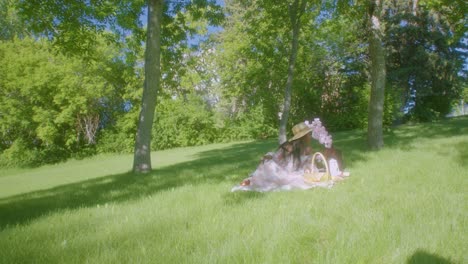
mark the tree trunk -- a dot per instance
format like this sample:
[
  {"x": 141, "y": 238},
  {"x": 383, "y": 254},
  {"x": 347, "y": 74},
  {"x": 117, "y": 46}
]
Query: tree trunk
[
  {"x": 462, "y": 104},
  {"x": 296, "y": 12},
  {"x": 142, "y": 155},
  {"x": 415, "y": 7},
  {"x": 378, "y": 77}
]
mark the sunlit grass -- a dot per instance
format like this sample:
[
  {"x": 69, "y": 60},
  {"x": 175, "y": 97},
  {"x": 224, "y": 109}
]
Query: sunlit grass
[
  {"x": 404, "y": 204},
  {"x": 17, "y": 181}
]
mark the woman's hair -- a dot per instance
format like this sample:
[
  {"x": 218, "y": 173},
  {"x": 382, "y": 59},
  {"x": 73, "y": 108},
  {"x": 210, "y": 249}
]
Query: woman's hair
[
  {"x": 294, "y": 149},
  {"x": 283, "y": 152}
]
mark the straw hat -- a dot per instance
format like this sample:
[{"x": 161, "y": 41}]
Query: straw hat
[{"x": 299, "y": 131}]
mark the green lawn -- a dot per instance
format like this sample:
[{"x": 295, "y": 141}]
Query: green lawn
[{"x": 404, "y": 204}]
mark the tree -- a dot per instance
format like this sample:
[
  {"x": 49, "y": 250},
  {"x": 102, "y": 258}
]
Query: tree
[
  {"x": 10, "y": 24},
  {"x": 252, "y": 65},
  {"x": 340, "y": 79},
  {"x": 330, "y": 80},
  {"x": 198, "y": 10},
  {"x": 296, "y": 10},
  {"x": 51, "y": 105},
  {"x": 377, "y": 75},
  {"x": 142, "y": 155},
  {"x": 72, "y": 26},
  {"x": 425, "y": 59},
  {"x": 257, "y": 64}
]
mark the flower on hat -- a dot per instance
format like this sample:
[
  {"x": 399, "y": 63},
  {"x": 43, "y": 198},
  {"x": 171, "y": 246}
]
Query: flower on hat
[{"x": 320, "y": 133}]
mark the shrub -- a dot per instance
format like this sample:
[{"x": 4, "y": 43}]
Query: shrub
[
  {"x": 183, "y": 122},
  {"x": 23, "y": 154},
  {"x": 252, "y": 124}
]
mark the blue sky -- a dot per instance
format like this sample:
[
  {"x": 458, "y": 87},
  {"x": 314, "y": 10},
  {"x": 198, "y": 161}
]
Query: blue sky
[
  {"x": 144, "y": 17},
  {"x": 195, "y": 40}
]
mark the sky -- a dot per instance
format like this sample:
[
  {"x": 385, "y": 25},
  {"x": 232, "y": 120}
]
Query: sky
[
  {"x": 144, "y": 15},
  {"x": 193, "y": 40}
]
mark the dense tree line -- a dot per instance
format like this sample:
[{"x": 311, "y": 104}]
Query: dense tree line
[{"x": 71, "y": 76}]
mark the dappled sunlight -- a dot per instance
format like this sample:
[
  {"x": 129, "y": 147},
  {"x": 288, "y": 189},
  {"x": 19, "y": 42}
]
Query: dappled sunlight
[
  {"x": 404, "y": 136},
  {"x": 211, "y": 166},
  {"x": 229, "y": 164},
  {"x": 168, "y": 216},
  {"x": 400, "y": 203}
]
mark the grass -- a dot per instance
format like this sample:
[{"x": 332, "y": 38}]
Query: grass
[{"x": 404, "y": 204}]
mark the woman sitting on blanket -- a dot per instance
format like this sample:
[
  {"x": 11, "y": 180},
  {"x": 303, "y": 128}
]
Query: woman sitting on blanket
[{"x": 284, "y": 169}]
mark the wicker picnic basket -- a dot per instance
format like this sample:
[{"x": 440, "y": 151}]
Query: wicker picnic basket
[{"x": 315, "y": 174}]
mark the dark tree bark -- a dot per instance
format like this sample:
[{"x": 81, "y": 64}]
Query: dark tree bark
[
  {"x": 142, "y": 154},
  {"x": 378, "y": 76},
  {"x": 295, "y": 12}
]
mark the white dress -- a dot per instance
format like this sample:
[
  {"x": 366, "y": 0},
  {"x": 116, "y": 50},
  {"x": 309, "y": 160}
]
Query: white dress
[{"x": 276, "y": 174}]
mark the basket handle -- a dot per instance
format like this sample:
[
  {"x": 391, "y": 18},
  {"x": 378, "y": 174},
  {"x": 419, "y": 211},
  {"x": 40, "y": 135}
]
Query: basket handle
[{"x": 327, "y": 175}]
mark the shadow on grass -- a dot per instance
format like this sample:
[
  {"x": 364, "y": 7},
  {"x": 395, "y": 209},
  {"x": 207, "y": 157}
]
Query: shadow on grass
[
  {"x": 422, "y": 257},
  {"x": 219, "y": 165},
  {"x": 462, "y": 153},
  {"x": 230, "y": 164},
  {"x": 405, "y": 135},
  {"x": 354, "y": 143}
]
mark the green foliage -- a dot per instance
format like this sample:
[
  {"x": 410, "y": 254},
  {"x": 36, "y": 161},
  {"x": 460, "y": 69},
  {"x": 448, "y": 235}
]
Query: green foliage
[
  {"x": 11, "y": 25},
  {"x": 349, "y": 111},
  {"x": 76, "y": 89},
  {"x": 24, "y": 154},
  {"x": 424, "y": 62},
  {"x": 53, "y": 104},
  {"x": 330, "y": 78},
  {"x": 465, "y": 93},
  {"x": 253, "y": 124},
  {"x": 27, "y": 86},
  {"x": 183, "y": 122},
  {"x": 74, "y": 25},
  {"x": 119, "y": 138},
  {"x": 20, "y": 154}
]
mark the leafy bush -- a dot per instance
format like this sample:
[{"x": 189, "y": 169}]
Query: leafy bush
[
  {"x": 253, "y": 124},
  {"x": 349, "y": 111},
  {"x": 23, "y": 154},
  {"x": 119, "y": 138},
  {"x": 183, "y": 122},
  {"x": 115, "y": 141},
  {"x": 19, "y": 154}
]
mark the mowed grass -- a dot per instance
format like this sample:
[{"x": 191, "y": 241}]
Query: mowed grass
[{"x": 404, "y": 204}]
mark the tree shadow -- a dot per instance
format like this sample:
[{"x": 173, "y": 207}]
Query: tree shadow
[
  {"x": 405, "y": 135},
  {"x": 423, "y": 257},
  {"x": 354, "y": 143},
  {"x": 462, "y": 153},
  {"x": 353, "y": 146},
  {"x": 230, "y": 164},
  {"x": 403, "y": 138},
  {"x": 213, "y": 166}
]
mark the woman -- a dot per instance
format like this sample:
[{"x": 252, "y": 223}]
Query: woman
[{"x": 284, "y": 168}]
